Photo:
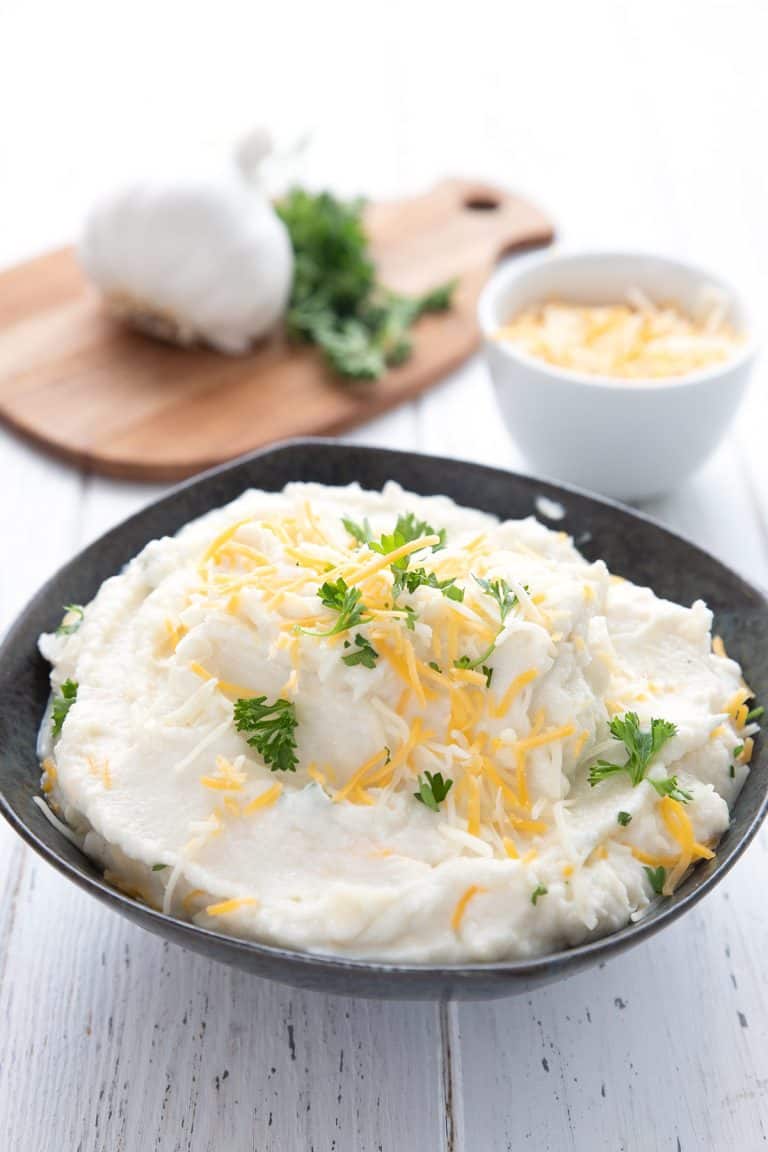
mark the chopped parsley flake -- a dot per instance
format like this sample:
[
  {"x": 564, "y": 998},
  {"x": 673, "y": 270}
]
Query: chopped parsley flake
[
  {"x": 624, "y": 818},
  {"x": 433, "y": 789},
  {"x": 539, "y": 890},
  {"x": 271, "y": 730},
  {"x": 755, "y": 714},
  {"x": 75, "y": 610},
  {"x": 657, "y": 877},
  {"x": 158, "y": 867},
  {"x": 738, "y": 751},
  {"x": 669, "y": 787},
  {"x": 61, "y": 705},
  {"x": 364, "y": 654}
]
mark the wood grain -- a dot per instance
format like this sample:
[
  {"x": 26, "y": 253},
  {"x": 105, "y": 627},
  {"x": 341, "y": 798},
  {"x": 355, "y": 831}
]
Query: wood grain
[{"x": 78, "y": 383}]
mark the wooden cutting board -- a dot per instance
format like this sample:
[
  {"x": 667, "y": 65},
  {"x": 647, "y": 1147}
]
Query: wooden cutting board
[{"x": 76, "y": 382}]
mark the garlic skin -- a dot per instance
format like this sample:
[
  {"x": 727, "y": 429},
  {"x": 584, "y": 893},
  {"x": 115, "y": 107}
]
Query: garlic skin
[{"x": 192, "y": 257}]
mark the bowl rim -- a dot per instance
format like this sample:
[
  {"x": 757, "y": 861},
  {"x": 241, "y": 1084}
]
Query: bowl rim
[
  {"x": 515, "y": 269},
  {"x": 563, "y": 960}
]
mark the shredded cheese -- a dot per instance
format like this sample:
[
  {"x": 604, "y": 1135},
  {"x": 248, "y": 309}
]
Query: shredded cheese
[
  {"x": 512, "y": 691},
  {"x": 461, "y": 905},
  {"x": 622, "y": 341},
  {"x": 263, "y": 800},
  {"x": 226, "y": 906}
]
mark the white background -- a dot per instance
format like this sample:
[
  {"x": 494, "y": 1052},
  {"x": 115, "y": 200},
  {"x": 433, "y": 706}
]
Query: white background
[{"x": 633, "y": 124}]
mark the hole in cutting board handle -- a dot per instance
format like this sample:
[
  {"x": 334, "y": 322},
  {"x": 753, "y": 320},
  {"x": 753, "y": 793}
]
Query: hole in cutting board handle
[{"x": 481, "y": 201}]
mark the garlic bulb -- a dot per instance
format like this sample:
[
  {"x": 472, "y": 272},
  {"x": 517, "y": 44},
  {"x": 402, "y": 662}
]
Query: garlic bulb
[{"x": 193, "y": 256}]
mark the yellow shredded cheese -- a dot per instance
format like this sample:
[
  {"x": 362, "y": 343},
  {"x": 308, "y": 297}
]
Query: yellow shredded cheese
[
  {"x": 461, "y": 905},
  {"x": 226, "y": 906},
  {"x": 267, "y": 797},
  {"x": 49, "y": 775},
  {"x": 622, "y": 341}
]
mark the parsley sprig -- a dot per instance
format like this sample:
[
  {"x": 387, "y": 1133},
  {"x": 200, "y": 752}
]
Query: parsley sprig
[
  {"x": 62, "y": 703},
  {"x": 433, "y": 789},
  {"x": 336, "y": 301},
  {"x": 657, "y": 878},
  {"x": 642, "y": 747},
  {"x": 346, "y": 601},
  {"x": 501, "y": 592},
  {"x": 411, "y": 579},
  {"x": 270, "y": 730},
  {"x": 506, "y": 600},
  {"x": 406, "y": 530}
]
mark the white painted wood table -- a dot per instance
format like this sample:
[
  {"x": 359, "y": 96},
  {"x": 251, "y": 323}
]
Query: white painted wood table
[{"x": 651, "y": 133}]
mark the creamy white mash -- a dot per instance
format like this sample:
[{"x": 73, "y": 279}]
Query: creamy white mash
[{"x": 484, "y": 682}]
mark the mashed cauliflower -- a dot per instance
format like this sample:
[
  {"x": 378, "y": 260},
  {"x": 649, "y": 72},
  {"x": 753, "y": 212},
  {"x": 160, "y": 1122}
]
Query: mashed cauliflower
[{"x": 385, "y": 726}]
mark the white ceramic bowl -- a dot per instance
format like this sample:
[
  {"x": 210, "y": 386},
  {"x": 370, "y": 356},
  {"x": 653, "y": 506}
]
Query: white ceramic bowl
[{"x": 625, "y": 439}]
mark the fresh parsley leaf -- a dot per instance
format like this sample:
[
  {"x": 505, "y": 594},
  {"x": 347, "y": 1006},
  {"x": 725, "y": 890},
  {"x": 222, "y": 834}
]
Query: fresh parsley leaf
[
  {"x": 539, "y": 890},
  {"x": 641, "y": 747},
  {"x": 390, "y": 542},
  {"x": 657, "y": 877},
  {"x": 468, "y": 662},
  {"x": 755, "y": 714},
  {"x": 365, "y": 654},
  {"x": 61, "y": 705},
  {"x": 409, "y": 580},
  {"x": 433, "y": 789},
  {"x": 501, "y": 593},
  {"x": 336, "y": 302},
  {"x": 411, "y": 616},
  {"x": 361, "y": 532},
  {"x": 406, "y": 530},
  {"x": 601, "y": 770},
  {"x": 75, "y": 610},
  {"x": 669, "y": 787},
  {"x": 412, "y": 529},
  {"x": 270, "y": 730},
  {"x": 624, "y": 818},
  {"x": 339, "y": 597},
  {"x": 506, "y": 600}
]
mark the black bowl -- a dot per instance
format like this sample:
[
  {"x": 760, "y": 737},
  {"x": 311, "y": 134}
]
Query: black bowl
[{"x": 631, "y": 545}]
